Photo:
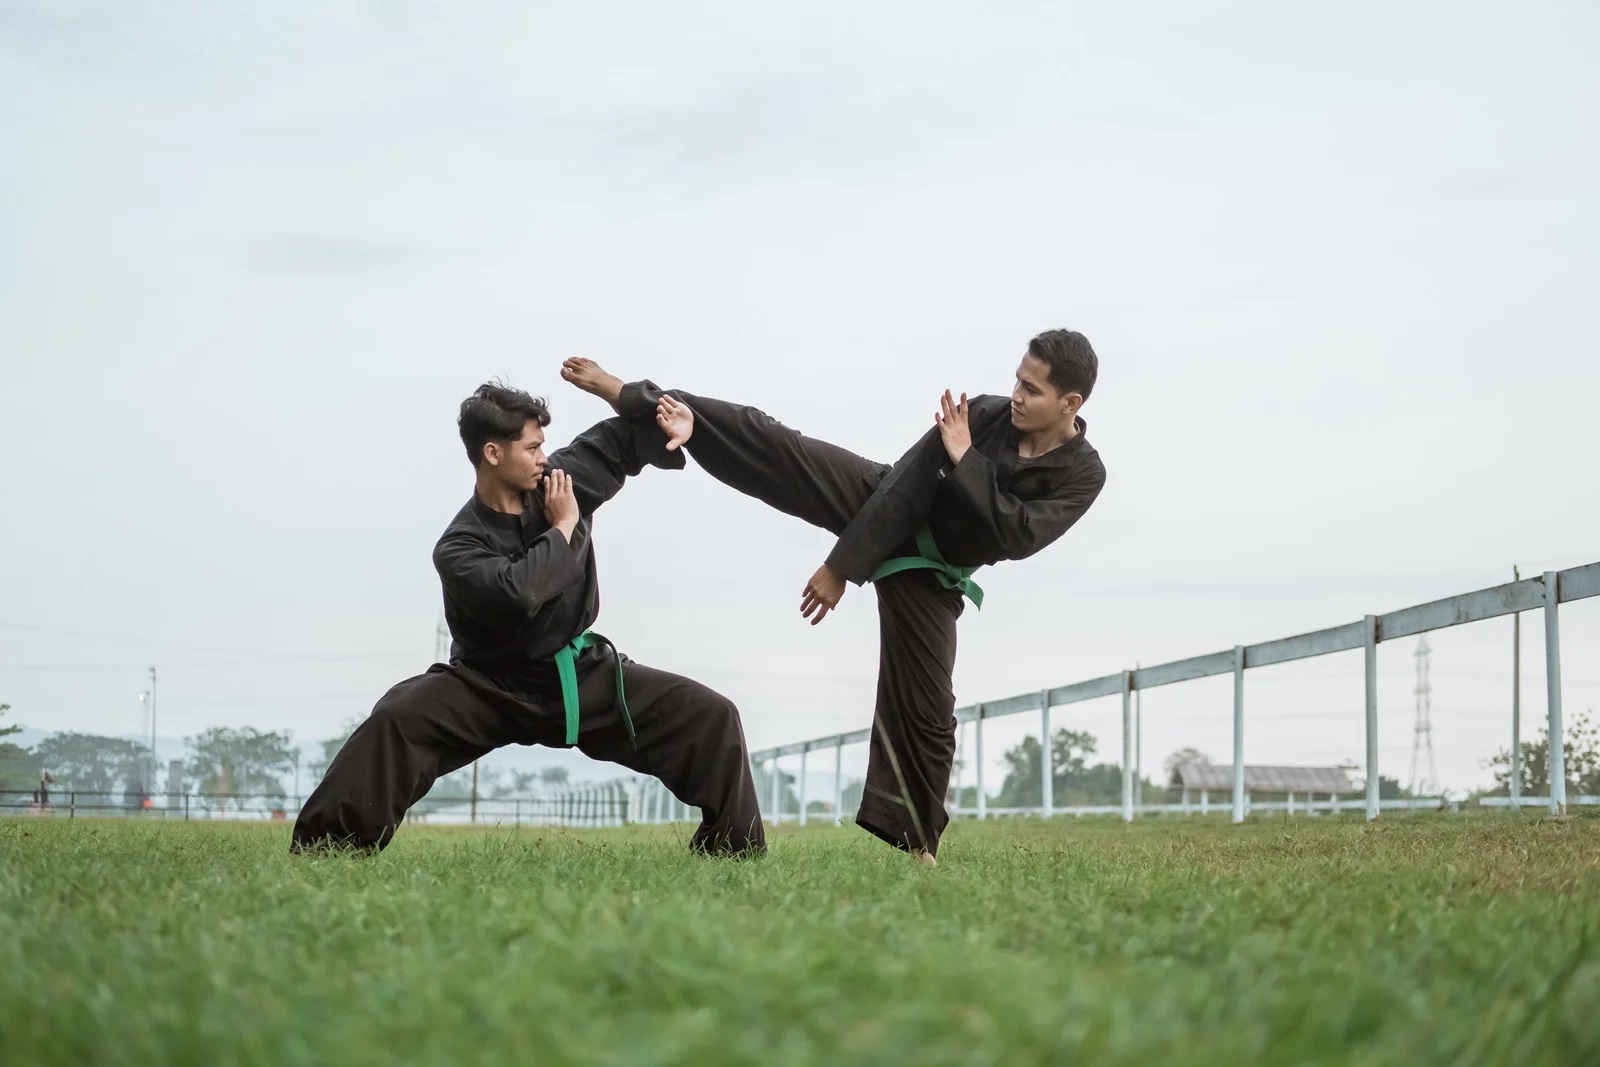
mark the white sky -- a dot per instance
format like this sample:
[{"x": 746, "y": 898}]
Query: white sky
[{"x": 1339, "y": 266}]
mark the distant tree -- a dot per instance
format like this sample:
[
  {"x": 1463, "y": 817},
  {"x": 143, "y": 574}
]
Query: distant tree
[
  {"x": 1580, "y": 749},
  {"x": 318, "y": 765},
  {"x": 553, "y": 776},
  {"x": 1391, "y": 789},
  {"x": 89, "y": 763},
  {"x": 1073, "y": 780},
  {"x": 225, "y": 762},
  {"x": 19, "y": 768},
  {"x": 1182, "y": 756}
]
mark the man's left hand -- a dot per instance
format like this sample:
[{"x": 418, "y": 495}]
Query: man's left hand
[{"x": 953, "y": 426}]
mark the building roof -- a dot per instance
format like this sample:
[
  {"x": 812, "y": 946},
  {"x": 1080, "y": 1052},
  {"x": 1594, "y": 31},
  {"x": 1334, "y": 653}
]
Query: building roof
[{"x": 1258, "y": 779}]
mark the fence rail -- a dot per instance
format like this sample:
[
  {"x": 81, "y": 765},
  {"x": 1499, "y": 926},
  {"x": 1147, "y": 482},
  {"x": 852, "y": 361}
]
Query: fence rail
[
  {"x": 599, "y": 804},
  {"x": 1544, "y": 593}
]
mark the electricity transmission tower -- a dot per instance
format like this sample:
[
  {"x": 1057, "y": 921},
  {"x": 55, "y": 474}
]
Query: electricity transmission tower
[{"x": 1422, "y": 743}]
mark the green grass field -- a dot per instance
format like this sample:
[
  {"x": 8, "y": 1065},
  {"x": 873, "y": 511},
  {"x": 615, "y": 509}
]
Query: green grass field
[{"x": 1430, "y": 940}]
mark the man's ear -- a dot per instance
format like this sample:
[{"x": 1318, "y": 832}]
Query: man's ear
[{"x": 491, "y": 453}]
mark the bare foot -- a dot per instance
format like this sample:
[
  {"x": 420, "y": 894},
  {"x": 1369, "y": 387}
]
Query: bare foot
[
  {"x": 589, "y": 376},
  {"x": 925, "y": 858}
]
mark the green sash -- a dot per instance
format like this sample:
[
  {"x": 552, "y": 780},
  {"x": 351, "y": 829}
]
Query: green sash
[
  {"x": 567, "y": 670},
  {"x": 949, "y": 575}
]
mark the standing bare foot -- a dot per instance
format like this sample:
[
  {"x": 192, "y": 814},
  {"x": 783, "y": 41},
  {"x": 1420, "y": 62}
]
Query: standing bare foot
[
  {"x": 589, "y": 376},
  {"x": 925, "y": 858}
]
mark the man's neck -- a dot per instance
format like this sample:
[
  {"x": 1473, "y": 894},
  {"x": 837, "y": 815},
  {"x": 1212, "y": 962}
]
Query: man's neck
[
  {"x": 496, "y": 497},
  {"x": 1034, "y": 445}
]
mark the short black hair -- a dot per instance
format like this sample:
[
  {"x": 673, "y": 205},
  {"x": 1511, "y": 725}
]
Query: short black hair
[
  {"x": 1071, "y": 359},
  {"x": 497, "y": 412}
]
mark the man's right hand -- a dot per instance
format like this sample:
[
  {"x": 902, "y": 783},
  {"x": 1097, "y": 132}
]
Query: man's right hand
[
  {"x": 560, "y": 503},
  {"x": 822, "y": 593}
]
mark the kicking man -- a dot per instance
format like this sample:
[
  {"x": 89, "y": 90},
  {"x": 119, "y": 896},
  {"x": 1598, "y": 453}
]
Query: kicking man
[{"x": 995, "y": 479}]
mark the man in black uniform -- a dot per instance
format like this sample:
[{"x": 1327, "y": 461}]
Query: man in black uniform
[
  {"x": 520, "y": 593},
  {"x": 995, "y": 479}
]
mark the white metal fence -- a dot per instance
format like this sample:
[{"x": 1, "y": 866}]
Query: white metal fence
[
  {"x": 595, "y": 804},
  {"x": 635, "y": 800},
  {"x": 1544, "y": 593}
]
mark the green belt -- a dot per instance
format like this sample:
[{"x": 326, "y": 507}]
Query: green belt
[
  {"x": 567, "y": 670},
  {"x": 949, "y": 575}
]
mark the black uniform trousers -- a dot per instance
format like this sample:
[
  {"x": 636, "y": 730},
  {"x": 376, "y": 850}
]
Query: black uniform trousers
[
  {"x": 688, "y": 736},
  {"x": 914, "y": 729}
]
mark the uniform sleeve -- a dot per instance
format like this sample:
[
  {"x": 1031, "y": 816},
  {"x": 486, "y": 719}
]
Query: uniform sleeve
[
  {"x": 493, "y": 585},
  {"x": 608, "y": 453},
  {"x": 1021, "y": 527},
  {"x": 894, "y": 512}
]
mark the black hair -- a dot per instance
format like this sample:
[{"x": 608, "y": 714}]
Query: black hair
[
  {"x": 1071, "y": 359},
  {"x": 497, "y": 412}
]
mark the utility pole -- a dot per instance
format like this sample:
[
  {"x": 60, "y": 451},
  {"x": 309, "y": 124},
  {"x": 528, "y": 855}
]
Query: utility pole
[
  {"x": 144, "y": 724},
  {"x": 150, "y": 779}
]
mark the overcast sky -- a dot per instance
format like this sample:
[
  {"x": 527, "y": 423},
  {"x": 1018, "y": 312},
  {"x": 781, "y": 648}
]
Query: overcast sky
[{"x": 1339, "y": 266}]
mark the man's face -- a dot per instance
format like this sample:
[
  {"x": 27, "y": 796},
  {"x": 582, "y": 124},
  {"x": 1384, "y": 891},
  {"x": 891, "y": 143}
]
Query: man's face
[
  {"x": 519, "y": 465},
  {"x": 1035, "y": 405}
]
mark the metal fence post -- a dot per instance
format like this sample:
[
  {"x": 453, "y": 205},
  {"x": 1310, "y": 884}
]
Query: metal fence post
[
  {"x": 1238, "y": 733},
  {"x": 1552, "y": 673},
  {"x": 977, "y": 734},
  {"x": 804, "y": 751},
  {"x": 1127, "y": 746},
  {"x": 1371, "y": 658},
  {"x": 1047, "y": 757},
  {"x": 777, "y": 791},
  {"x": 1138, "y": 745},
  {"x": 1516, "y": 702},
  {"x": 838, "y": 781},
  {"x": 519, "y": 813}
]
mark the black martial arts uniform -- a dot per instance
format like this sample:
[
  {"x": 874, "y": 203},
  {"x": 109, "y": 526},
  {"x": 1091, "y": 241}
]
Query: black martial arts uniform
[
  {"x": 993, "y": 505},
  {"x": 516, "y": 593}
]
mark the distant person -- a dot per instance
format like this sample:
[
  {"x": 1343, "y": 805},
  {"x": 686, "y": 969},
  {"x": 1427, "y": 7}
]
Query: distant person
[
  {"x": 41, "y": 796},
  {"x": 520, "y": 592},
  {"x": 996, "y": 479}
]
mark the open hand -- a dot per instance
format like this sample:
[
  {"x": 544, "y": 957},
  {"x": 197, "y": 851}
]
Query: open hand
[
  {"x": 675, "y": 420},
  {"x": 953, "y": 426},
  {"x": 822, "y": 594},
  {"x": 560, "y": 502}
]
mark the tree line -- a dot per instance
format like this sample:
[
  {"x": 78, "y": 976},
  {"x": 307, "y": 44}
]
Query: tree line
[
  {"x": 219, "y": 764},
  {"x": 242, "y": 761}
]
